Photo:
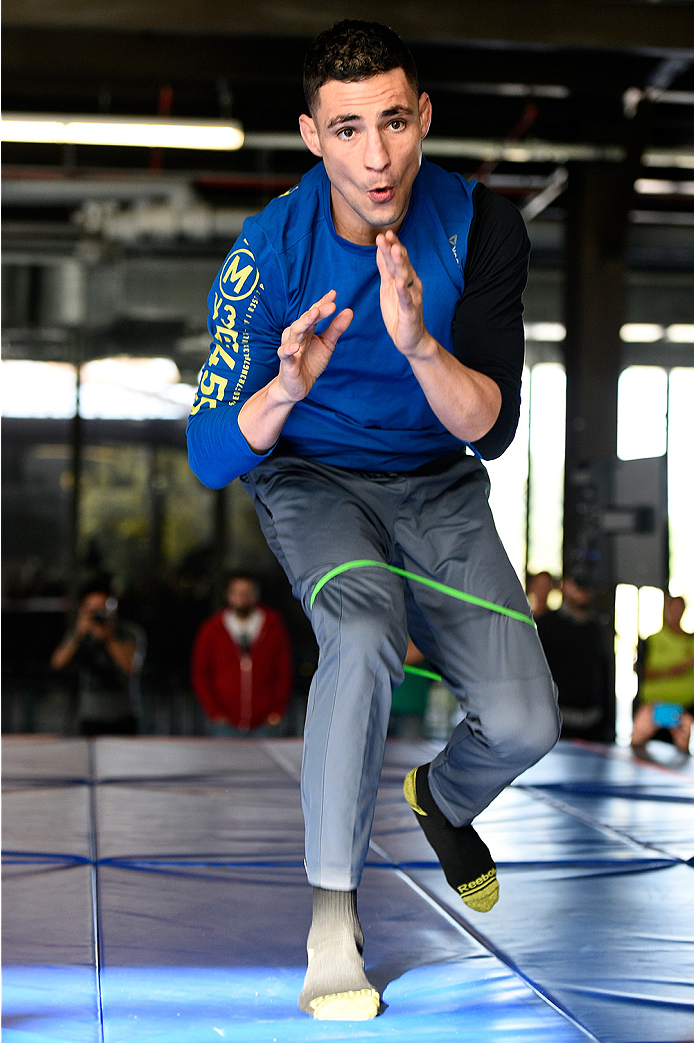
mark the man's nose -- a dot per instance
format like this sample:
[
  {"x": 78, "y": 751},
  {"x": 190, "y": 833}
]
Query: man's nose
[{"x": 376, "y": 155}]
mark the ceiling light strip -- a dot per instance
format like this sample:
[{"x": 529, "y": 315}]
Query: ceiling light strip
[{"x": 143, "y": 132}]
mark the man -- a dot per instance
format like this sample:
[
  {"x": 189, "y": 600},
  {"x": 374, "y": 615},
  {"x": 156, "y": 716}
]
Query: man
[
  {"x": 579, "y": 660},
  {"x": 108, "y": 655},
  {"x": 538, "y": 589},
  {"x": 350, "y": 429},
  {"x": 666, "y": 691},
  {"x": 241, "y": 664}
]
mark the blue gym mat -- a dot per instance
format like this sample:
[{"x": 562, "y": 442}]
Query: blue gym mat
[{"x": 154, "y": 891}]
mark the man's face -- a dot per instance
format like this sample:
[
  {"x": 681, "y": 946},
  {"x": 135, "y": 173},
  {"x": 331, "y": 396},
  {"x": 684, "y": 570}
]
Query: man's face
[
  {"x": 242, "y": 596},
  {"x": 673, "y": 611},
  {"x": 95, "y": 602},
  {"x": 575, "y": 595},
  {"x": 369, "y": 135}
]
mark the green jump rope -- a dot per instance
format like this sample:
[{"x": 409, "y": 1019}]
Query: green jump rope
[{"x": 435, "y": 585}]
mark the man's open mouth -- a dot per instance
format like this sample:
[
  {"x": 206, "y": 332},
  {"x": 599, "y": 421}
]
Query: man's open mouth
[{"x": 382, "y": 195}]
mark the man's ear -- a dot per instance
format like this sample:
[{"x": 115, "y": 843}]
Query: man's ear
[
  {"x": 310, "y": 134},
  {"x": 425, "y": 113}
]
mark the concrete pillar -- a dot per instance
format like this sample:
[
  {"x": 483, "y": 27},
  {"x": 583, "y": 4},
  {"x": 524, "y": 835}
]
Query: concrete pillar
[{"x": 598, "y": 201}]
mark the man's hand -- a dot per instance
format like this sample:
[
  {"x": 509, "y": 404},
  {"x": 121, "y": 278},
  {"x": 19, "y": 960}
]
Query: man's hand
[
  {"x": 466, "y": 402},
  {"x": 401, "y": 299},
  {"x": 303, "y": 355}
]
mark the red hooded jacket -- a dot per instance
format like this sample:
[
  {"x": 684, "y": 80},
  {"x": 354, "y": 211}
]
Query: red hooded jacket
[{"x": 242, "y": 687}]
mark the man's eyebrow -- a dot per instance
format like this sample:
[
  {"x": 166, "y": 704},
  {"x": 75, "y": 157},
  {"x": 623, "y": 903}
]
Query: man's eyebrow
[
  {"x": 347, "y": 118},
  {"x": 396, "y": 110}
]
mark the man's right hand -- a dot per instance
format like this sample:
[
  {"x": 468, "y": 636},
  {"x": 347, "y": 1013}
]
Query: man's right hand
[{"x": 303, "y": 355}]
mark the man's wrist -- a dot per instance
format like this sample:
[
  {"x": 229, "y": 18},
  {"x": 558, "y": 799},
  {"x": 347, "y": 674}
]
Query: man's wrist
[
  {"x": 263, "y": 415},
  {"x": 426, "y": 350},
  {"x": 277, "y": 395}
]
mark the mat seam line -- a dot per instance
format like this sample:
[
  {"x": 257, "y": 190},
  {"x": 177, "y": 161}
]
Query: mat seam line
[
  {"x": 615, "y": 754},
  {"x": 464, "y": 928},
  {"x": 610, "y": 831},
  {"x": 93, "y": 848}
]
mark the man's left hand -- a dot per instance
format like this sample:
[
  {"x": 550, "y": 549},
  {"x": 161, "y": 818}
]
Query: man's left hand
[{"x": 401, "y": 299}]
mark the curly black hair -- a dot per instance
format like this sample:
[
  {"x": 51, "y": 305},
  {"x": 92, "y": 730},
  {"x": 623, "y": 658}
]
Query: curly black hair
[{"x": 354, "y": 50}]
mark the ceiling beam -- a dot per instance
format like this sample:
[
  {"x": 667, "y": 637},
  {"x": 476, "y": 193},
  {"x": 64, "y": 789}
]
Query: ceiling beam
[
  {"x": 33, "y": 56},
  {"x": 583, "y": 23}
]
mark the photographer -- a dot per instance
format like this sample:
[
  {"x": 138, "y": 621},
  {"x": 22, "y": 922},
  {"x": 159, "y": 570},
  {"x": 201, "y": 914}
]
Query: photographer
[{"x": 107, "y": 654}]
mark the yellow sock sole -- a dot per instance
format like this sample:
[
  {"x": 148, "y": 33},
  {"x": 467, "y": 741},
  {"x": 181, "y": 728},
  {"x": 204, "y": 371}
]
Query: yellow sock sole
[
  {"x": 481, "y": 894},
  {"x": 347, "y": 1006},
  {"x": 410, "y": 790}
]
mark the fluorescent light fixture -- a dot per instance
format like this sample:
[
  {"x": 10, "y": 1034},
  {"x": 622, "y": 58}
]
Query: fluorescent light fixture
[
  {"x": 663, "y": 157},
  {"x": 142, "y": 131},
  {"x": 641, "y": 332},
  {"x": 545, "y": 331},
  {"x": 681, "y": 333},
  {"x": 651, "y": 186}
]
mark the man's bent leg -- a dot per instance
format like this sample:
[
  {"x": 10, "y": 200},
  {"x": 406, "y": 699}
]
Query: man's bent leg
[{"x": 493, "y": 663}]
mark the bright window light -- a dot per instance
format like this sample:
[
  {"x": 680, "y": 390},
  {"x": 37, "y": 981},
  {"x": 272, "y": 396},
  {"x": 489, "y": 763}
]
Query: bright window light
[
  {"x": 137, "y": 374},
  {"x": 132, "y": 388},
  {"x": 641, "y": 332},
  {"x": 509, "y": 479},
  {"x": 545, "y": 331},
  {"x": 547, "y": 441},
  {"x": 650, "y": 611},
  {"x": 626, "y": 619},
  {"x": 681, "y": 333},
  {"x": 638, "y": 614},
  {"x": 113, "y": 388},
  {"x": 38, "y": 389},
  {"x": 145, "y": 132},
  {"x": 681, "y": 488},
  {"x": 642, "y": 412}
]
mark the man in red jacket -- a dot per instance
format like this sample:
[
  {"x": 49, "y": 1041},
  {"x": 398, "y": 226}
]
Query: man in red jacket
[{"x": 241, "y": 665}]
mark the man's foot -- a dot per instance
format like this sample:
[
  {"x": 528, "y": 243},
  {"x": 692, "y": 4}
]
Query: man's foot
[
  {"x": 336, "y": 987},
  {"x": 465, "y": 858}
]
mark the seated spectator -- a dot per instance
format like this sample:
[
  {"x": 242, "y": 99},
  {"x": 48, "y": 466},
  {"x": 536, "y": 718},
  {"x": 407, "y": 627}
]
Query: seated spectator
[{"x": 666, "y": 691}]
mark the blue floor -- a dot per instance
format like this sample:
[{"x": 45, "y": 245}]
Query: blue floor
[{"x": 154, "y": 891}]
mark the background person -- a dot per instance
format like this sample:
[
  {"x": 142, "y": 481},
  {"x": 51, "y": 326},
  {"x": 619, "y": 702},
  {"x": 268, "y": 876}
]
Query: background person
[
  {"x": 539, "y": 587},
  {"x": 241, "y": 664},
  {"x": 410, "y": 699},
  {"x": 107, "y": 653},
  {"x": 666, "y": 691},
  {"x": 577, "y": 654}
]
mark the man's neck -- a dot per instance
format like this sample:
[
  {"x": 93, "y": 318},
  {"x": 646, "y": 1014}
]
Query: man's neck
[{"x": 360, "y": 233}]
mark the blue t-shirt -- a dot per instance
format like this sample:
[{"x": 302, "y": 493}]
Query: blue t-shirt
[{"x": 366, "y": 410}]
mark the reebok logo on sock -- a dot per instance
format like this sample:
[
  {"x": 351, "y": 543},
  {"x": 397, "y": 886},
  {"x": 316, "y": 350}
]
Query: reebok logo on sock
[{"x": 465, "y": 858}]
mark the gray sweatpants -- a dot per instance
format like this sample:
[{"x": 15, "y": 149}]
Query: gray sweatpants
[{"x": 316, "y": 517}]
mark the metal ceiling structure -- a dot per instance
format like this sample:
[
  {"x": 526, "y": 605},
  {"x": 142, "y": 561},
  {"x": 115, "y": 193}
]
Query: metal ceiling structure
[{"x": 523, "y": 94}]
